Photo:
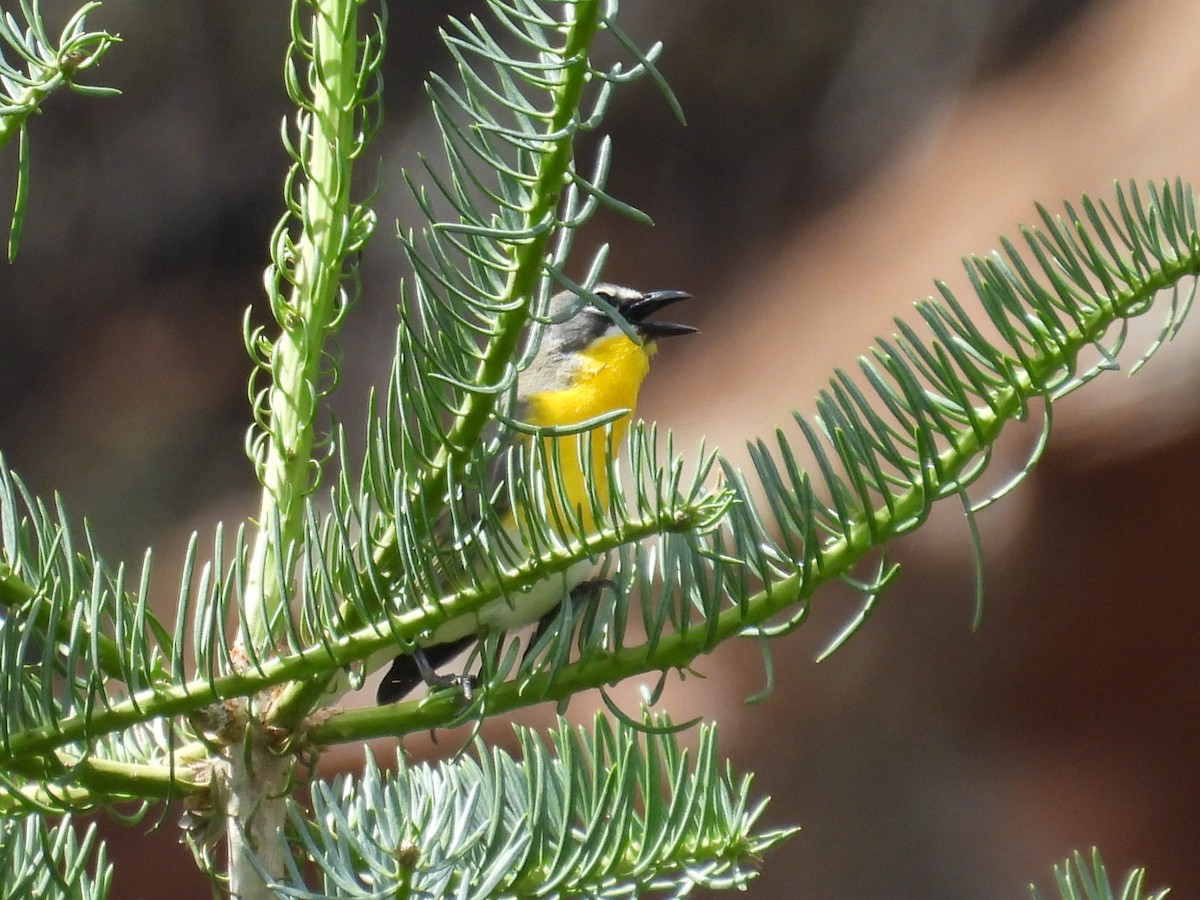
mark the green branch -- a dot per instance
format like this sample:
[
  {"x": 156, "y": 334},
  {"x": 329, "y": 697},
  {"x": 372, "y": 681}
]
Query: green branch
[
  {"x": 321, "y": 658},
  {"x": 311, "y": 308},
  {"x": 94, "y": 782},
  {"x": 836, "y": 557},
  {"x": 528, "y": 252}
]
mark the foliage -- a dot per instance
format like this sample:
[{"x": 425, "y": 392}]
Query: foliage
[
  {"x": 349, "y": 559},
  {"x": 1080, "y": 878},
  {"x": 585, "y": 815},
  {"x": 52, "y": 861},
  {"x": 32, "y": 66}
]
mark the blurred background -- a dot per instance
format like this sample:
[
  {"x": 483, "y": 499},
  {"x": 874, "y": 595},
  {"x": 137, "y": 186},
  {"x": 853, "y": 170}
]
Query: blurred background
[{"x": 839, "y": 155}]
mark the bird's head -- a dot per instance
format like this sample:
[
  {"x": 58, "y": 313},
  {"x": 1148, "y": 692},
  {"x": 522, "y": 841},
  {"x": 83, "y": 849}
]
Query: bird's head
[
  {"x": 577, "y": 325},
  {"x": 586, "y": 363}
]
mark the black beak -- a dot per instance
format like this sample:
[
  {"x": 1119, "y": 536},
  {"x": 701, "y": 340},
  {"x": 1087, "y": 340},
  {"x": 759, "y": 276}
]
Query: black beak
[{"x": 636, "y": 311}]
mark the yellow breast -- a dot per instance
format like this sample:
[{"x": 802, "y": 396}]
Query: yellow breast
[{"x": 607, "y": 377}]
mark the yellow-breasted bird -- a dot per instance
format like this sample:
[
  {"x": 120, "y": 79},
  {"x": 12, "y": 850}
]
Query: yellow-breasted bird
[{"x": 585, "y": 367}]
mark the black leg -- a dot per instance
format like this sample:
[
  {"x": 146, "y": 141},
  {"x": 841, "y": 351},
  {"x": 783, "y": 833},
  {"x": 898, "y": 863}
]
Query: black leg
[{"x": 409, "y": 671}]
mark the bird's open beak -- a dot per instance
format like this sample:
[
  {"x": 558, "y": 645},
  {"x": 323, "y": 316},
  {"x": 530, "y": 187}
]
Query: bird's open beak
[{"x": 636, "y": 311}]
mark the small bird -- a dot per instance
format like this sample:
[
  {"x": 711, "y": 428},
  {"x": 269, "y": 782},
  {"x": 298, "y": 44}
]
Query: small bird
[{"x": 586, "y": 366}]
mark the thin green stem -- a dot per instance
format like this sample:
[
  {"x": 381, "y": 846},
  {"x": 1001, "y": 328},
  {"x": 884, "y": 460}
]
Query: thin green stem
[
  {"x": 527, "y": 259},
  {"x": 97, "y": 781},
  {"x": 48, "y": 67},
  {"x": 310, "y": 311}
]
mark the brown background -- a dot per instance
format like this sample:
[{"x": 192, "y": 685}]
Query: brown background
[{"x": 838, "y": 157}]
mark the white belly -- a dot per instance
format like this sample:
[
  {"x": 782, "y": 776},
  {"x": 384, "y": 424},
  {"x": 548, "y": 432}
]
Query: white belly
[{"x": 514, "y": 611}]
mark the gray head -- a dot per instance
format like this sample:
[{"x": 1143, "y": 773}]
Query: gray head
[{"x": 575, "y": 324}]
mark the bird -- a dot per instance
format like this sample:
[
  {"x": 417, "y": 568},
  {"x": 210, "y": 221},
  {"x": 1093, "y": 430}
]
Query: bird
[{"x": 585, "y": 367}]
